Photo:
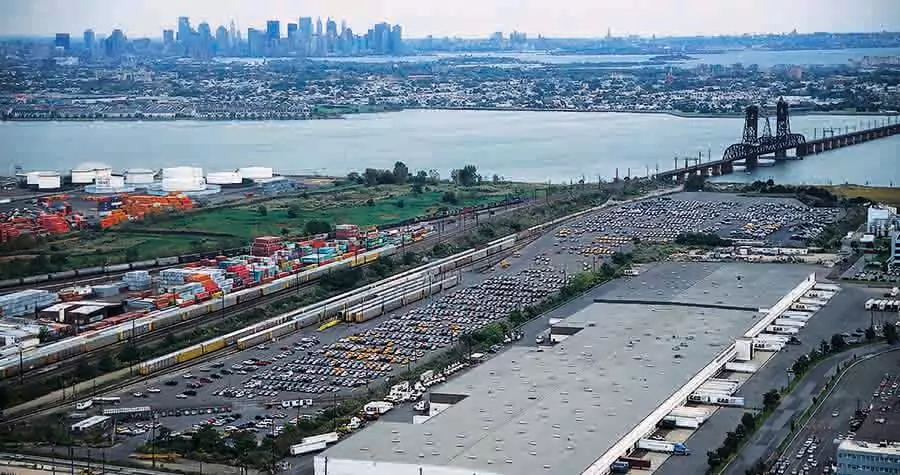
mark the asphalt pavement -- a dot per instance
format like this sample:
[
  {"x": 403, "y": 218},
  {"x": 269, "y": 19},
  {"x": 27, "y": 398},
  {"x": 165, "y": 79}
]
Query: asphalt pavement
[
  {"x": 831, "y": 421},
  {"x": 844, "y": 313}
]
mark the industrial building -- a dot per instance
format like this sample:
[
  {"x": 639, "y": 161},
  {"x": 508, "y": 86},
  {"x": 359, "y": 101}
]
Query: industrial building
[
  {"x": 880, "y": 219},
  {"x": 621, "y": 365},
  {"x": 80, "y": 313}
]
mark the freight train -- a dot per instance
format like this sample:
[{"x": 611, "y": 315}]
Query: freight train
[
  {"x": 33, "y": 359},
  {"x": 117, "y": 268}
]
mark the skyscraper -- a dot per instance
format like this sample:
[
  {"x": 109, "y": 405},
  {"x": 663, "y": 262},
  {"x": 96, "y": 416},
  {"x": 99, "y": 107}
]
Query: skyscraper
[
  {"x": 223, "y": 42},
  {"x": 273, "y": 30},
  {"x": 330, "y": 35},
  {"x": 256, "y": 42},
  {"x": 168, "y": 37},
  {"x": 292, "y": 33},
  {"x": 184, "y": 29},
  {"x": 396, "y": 39},
  {"x": 63, "y": 40},
  {"x": 319, "y": 26},
  {"x": 381, "y": 38},
  {"x": 90, "y": 40},
  {"x": 204, "y": 31},
  {"x": 115, "y": 43},
  {"x": 305, "y": 27}
]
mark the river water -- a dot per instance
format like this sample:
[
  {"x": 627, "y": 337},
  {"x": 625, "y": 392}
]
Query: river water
[
  {"x": 533, "y": 146},
  {"x": 761, "y": 58}
]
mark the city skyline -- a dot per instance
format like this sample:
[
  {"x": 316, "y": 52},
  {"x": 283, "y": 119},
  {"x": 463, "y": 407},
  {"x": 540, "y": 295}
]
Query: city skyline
[{"x": 464, "y": 18}]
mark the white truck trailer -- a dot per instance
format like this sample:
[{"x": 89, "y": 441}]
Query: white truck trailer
[{"x": 663, "y": 446}]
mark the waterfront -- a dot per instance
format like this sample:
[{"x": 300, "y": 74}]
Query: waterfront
[
  {"x": 761, "y": 58},
  {"x": 527, "y": 146}
]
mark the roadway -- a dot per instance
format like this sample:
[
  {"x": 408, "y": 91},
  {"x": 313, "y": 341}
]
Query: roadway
[
  {"x": 844, "y": 313},
  {"x": 831, "y": 419}
]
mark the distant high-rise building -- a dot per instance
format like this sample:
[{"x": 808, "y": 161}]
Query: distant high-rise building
[
  {"x": 343, "y": 27},
  {"x": 331, "y": 35},
  {"x": 115, "y": 43},
  {"x": 381, "y": 38},
  {"x": 204, "y": 31},
  {"x": 63, "y": 40},
  {"x": 90, "y": 40},
  {"x": 292, "y": 33},
  {"x": 306, "y": 28},
  {"x": 184, "y": 29},
  {"x": 273, "y": 30},
  {"x": 319, "y": 26},
  {"x": 223, "y": 41},
  {"x": 256, "y": 42},
  {"x": 168, "y": 37},
  {"x": 396, "y": 46}
]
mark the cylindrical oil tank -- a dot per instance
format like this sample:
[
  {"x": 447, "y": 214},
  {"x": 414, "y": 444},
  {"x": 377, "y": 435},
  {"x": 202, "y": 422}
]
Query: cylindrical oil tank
[
  {"x": 255, "y": 173},
  {"x": 183, "y": 179},
  {"x": 139, "y": 176},
  {"x": 224, "y": 178},
  {"x": 83, "y": 176}
]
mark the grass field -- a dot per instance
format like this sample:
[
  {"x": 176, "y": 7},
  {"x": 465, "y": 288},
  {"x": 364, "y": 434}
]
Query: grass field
[
  {"x": 880, "y": 194},
  {"x": 242, "y": 223},
  {"x": 390, "y": 204}
]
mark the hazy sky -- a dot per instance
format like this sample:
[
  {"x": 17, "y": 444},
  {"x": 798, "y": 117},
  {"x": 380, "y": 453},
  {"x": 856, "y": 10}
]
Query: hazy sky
[{"x": 581, "y": 18}]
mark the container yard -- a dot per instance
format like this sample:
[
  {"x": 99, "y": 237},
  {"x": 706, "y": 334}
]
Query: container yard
[{"x": 181, "y": 293}]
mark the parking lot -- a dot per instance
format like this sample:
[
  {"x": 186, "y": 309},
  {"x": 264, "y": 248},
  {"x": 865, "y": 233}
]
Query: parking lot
[
  {"x": 843, "y": 414},
  {"x": 778, "y": 220}
]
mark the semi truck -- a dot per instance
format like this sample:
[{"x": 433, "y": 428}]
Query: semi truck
[
  {"x": 782, "y": 330},
  {"x": 663, "y": 446}
]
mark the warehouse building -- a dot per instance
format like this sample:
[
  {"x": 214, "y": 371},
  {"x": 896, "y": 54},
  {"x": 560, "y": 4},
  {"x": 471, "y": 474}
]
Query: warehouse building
[
  {"x": 79, "y": 313},
  {"x": 576, "y": 407}
]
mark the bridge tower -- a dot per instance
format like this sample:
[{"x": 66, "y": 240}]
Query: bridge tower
[
  {"x": 751, "y": 134},
  {"x": 782, "y": 125},
  {"x": 751, "y": 125}
]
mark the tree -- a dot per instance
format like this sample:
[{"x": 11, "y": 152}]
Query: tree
[
  {"x": 106, "y": 363},
  {"x": 262, "y": 210},
  {"x": 421, "y": 178},
  {"x": 417, "y": 188},
  {"x": 401, "y": 173},
  {"x": 837, "y": 342},
  {"x": 495, "y": 179},
  {"x": 771, "y": 399},
  {"x": 317, "y": 227},
  {"x": 748, "y": 420},
  {"x": 824, "y": 347},
  {"x": 130, "y": 353},
  {"x": 434, "y": 177},
  {"x": 870, "y": 334},
  {"x": 466, "y": 176},
  {"x": 450, "y": 197},
  {"x": 694, "y": 183},
  {"x": 293, "y": 211},
  {"x": 890, "y": 333}
]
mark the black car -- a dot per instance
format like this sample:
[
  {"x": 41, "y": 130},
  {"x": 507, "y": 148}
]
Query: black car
[
  {"x": 217, "y": 365},
  {"x": 190, "y": 392},
  {"x": 215, "y": 376},
  {"x": 226, "y": 371},
  {"x": 171, "y": 382}
]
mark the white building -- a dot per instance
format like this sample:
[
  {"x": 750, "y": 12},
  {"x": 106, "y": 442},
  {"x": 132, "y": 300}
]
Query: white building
[{"x": 879, "y": 219}]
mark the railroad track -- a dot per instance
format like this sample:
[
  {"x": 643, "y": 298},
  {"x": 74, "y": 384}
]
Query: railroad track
[{"x": 225, "y": 352}]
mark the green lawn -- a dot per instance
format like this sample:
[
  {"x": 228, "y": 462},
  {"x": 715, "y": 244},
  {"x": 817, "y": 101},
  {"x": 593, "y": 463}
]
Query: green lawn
[{"x": 348, "y": 207}]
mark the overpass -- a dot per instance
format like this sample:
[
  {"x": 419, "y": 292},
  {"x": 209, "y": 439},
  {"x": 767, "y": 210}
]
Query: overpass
[{"x": 754, "y": 145}]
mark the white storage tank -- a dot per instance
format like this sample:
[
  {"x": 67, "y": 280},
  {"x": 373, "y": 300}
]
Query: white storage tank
[
  {"x": 48, "y": 181},
  {"x": 139, "y": 176},
  {"x": 255, "y": 173},
  {"x": 183, "y": 179},
  {"x": 31, "y": 178},
  {"x": 83, "y": 176},
  {"x": 224, "y": 178},
  {"x": 117, "y": 181}
]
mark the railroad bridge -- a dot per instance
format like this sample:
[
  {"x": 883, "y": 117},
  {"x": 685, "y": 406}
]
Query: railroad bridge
[{"x": 755, "y": 144}]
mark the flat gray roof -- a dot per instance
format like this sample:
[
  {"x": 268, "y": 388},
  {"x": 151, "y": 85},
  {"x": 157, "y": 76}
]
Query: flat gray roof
[
  {"x": 760, "y": 285},
  {"x": 557, "y": 411}
]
